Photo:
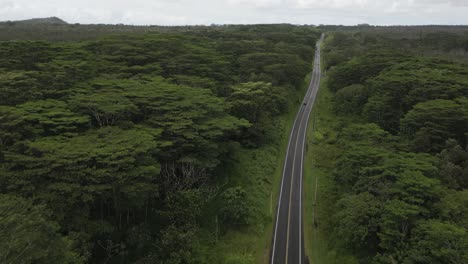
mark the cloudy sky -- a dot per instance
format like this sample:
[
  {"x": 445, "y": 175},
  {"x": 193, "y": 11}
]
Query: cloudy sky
[{"x": 182, "y": 12}]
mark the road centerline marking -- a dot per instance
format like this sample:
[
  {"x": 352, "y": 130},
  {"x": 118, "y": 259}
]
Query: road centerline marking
[
  {"x": 281, "y": 189},
  {"x": 301, "y": 115}
]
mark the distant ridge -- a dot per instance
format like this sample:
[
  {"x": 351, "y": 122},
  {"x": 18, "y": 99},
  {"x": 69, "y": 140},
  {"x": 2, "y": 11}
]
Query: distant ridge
[{"x": 47, "y": 20}]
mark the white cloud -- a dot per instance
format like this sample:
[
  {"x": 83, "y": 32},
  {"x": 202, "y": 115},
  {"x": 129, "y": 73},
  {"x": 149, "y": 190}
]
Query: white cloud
[
  {"x": 256, "y": 3},
  {"x": 333, "y": 3},
  {"x": 179, "y": 12}
]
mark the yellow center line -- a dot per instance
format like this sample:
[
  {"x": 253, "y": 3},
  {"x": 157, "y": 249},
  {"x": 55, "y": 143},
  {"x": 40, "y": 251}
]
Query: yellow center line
[
  {"x": 292, "y": 182},
  {"x": 301, "y": 117}
]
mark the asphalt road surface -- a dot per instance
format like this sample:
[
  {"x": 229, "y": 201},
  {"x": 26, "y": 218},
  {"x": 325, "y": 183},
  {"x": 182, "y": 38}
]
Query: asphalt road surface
[{"x": 288, "y": 237}]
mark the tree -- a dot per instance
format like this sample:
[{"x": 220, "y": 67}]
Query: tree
[
  {"x": 395, "y": 225},
  {"x": 434, "y": 241},
  {"x": 17, "y": 87},
  {"x": 194, "y": 122},
  {"x": 277, "y": 68},
  {"x": 235, "y": 208},
  {"x": 30, "y": 236},
  {"x": 173, "y": 247},
  {"x": 58, "y": 75},
  {"x": 42, "y": 118},
  {"x": 355, "y": 162},
  {"x": 368, "y": 134},
  {"x": 106, "y": 108},
  {"x": 24, "y": 55},
  {"x": 360, "y": 69},
  {"x": 454, "y": 165},
  {"x": 395, "y": 171},
  {"x": 453, "y": 207},
  {"x": 258, "y": 103},
  {"x": 435, "y": 120},
  {"x": 124, "y": 134},
  {"x": 109, "y": 170},
  {"x": 357, "y": 218},
  {"x": 351, "y": 99},
  {"x": 400, "y": 87},
  {"x": 393, "y": 205}
]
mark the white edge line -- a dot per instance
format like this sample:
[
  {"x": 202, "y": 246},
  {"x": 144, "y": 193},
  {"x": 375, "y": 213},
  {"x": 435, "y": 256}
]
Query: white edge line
[
  {"x": 300, "y": 182},
  {"x": 314, "y": 94},
  {"x": 313, "y": 82},
  {"x": 282, "y": 180},
  {"x": 281, "y": 188},
  {"x": 293, "y": 169}
]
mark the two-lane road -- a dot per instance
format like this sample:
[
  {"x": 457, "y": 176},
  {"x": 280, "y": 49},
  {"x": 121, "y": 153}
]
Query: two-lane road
[{"x": 288, "y": 239}]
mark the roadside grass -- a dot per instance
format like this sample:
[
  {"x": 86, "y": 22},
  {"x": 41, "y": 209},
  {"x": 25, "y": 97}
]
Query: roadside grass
[
  {"x": 259, "y": 172},
  {"x": 321, "y": 153}
]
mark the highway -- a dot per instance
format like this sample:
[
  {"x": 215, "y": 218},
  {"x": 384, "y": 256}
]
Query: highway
[{"x": 288, "y": 238}]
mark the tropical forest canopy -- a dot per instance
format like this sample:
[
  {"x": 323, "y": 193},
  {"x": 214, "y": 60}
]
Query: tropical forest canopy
[
  {"x": 112, "y": 148},
  {"x": 400, "y": 179},
  {"x": 123, "y": 144}
]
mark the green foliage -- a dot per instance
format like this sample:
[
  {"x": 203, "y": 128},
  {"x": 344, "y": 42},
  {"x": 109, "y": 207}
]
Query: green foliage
[
  {"x": 173, "y": 247},
  {"x": 106, "y": 107},
  {"x": 29, "y": 236},
  {"x": 60, "y": 74},
  {"x": 396, "y": 222},
  {"x": 397, "y": 89},
  {"x": 236, "y": 210},
  {"x": 195, "y": 81},
  {"x": 279, "y": 69},
  {"x": 367, "y": 133},
  {"x": 350, "y": 165},
  {"x": 351, "y": 99},
  {"x": 438, "y": 242},
  {"x": 430, "y": 123},
  {"x": 24, "y": 55},
  {"x": 42, "y": 118},
  {"x": 124, "y": 137},
  {"x": 258, "y": 103},
  {"x": 110, "y": 167},
  {"x": 358, "y": 70},
  {"x": 453, "y": 207},
  {"x": 18, "y": 87},
  {"x": 358, "y": 220},
  {"x": 394, "y": 205},
  {"x": 236, "y": 259}
]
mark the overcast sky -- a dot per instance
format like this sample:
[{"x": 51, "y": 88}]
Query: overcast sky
[{"x": 182, "y": 12}]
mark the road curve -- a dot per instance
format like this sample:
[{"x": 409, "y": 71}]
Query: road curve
[{"x": 288, "y": 238}]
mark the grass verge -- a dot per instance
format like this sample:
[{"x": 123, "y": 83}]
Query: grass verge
[{"x": 319, "y": 161}]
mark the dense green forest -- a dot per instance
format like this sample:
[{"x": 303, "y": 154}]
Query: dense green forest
[
  {"x": 398, "y": 125},
  {"x": 115, "y": 149},
  {"x": 132, "y": 144}
]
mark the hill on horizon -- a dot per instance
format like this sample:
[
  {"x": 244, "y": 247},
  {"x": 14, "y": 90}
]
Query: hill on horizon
[{"x": 46, "y": 20}]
